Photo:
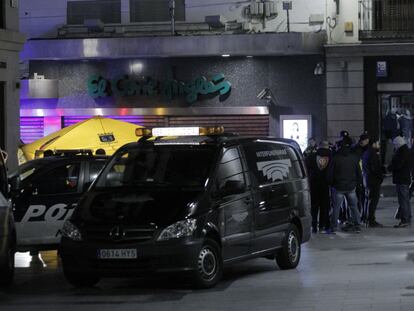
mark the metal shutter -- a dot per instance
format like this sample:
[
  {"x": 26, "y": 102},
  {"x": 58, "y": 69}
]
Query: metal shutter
[
  {"x": 245, "y": 125},
  {"x": 155, "y": 10},
  {"x": 31, "y": 129},
  {"x": 146, "y": 121},
  {"x": 108, "y": 11}
]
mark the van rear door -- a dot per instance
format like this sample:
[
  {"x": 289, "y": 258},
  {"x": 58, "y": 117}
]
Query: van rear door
[{"x": 270, "y": 169}]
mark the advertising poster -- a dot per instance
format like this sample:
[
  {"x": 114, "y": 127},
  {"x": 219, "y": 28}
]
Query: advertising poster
[{"x": 297, "y": 128}]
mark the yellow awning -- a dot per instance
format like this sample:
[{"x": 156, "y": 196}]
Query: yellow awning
[{"x": 95, "y": 133}]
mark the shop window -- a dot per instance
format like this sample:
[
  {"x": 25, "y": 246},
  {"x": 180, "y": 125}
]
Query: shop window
[
  {"x": 108, "y": 11},
  {"x": 155, "y": 10}
]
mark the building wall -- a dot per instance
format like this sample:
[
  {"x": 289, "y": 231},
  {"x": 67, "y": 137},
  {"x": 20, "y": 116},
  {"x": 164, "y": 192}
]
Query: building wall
[
  {"x": 291, "y": 79},
  {"x": 41, "y": 18},
  {"x": 348, "y": 12},
  {"x": 344, "y": 95},
  {"x": 11, "y": 42}
]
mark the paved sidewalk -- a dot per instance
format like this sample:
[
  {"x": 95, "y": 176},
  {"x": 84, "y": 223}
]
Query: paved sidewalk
[{"x": 373, "y": 270}]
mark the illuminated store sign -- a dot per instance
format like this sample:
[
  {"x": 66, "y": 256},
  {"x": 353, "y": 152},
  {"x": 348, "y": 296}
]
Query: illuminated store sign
[{"x": 170, "y": 89}]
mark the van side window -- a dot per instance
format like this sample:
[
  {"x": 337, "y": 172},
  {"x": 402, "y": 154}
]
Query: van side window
[
  {"x": 230, "y": 168},
  {"x": 3, "y": 178},
  {"x": 94, "y": 169},
  {"x": 272, "y": 162},
  {"x": 61, "y": 179}
]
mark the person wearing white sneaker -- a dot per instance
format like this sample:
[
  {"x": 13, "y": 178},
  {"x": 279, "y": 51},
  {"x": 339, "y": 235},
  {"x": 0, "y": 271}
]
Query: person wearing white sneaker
[{"x": 401, "y": 177}]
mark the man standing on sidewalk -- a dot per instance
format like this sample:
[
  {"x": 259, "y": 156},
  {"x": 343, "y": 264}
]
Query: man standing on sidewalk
[
  {"x": 372, "y": 173},
  {"x": 401, "y": 177},
  {"x": 343, "y": 175}
]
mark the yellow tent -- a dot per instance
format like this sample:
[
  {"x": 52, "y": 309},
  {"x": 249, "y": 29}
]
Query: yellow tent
[{"x": 95, "y": 133}]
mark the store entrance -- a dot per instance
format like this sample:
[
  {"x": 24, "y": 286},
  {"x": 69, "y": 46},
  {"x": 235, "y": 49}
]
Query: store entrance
[
  {"x": 2, "y": 116},
  {"x": 395, "y": 118}
]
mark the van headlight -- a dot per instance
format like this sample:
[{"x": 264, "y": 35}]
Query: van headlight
[
  {"x": 178, "y": 230},
  {"x": 70, "y": 231}
]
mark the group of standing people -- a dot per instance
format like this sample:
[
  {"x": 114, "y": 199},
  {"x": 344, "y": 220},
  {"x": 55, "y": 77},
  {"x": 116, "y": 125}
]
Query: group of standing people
[{"x": 345, "y": 182}]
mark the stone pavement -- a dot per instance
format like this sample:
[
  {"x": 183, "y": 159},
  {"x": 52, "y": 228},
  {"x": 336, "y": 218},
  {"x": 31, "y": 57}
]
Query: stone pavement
[{"x": 373, "y": 270}]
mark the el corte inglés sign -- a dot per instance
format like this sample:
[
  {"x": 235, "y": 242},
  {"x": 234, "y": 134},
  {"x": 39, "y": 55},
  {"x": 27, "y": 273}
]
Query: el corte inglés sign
[{"x": 169, "y": 89}]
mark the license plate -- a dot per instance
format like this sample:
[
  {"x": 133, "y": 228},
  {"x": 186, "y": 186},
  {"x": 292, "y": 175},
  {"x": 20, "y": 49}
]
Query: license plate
[{"x": 117, "y": 254}]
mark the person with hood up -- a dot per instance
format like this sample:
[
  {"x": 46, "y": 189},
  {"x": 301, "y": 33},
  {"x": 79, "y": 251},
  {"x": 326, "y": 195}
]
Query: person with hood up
[
  {"x": 317, "y": 166},
  {"x": 343, "y": 175},
  {"x": 372, "y": 176},
  {"x": 401, "y": 176}
]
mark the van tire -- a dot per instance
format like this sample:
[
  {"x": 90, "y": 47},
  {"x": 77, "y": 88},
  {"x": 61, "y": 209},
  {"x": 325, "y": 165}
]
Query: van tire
[
  {"x": 288, "y": 256},
  {"x": 7, "y": 268},
  {"x": 208, "y": 264},
  {"x": 80, "y": 280}
]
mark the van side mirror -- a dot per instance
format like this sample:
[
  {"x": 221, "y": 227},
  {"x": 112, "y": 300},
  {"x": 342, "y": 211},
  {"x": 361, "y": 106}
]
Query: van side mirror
[{"x": 232, "y": 187}]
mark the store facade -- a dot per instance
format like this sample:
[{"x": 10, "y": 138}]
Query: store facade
[
  {"x": 372, "y": 84},
  {"x": 166, "y": 90}
]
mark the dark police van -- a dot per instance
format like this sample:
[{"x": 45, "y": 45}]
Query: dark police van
[
  {"x": 7, "y": 229},
  {"x": 189, "y": 204},
  {"x": 44, "y": 192}
]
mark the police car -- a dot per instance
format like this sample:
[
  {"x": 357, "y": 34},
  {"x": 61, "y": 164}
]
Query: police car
[
  {"x": 44, "y": 192},
  {"x": 7, "y": 230},
  {"x": 189, "y": 200}
]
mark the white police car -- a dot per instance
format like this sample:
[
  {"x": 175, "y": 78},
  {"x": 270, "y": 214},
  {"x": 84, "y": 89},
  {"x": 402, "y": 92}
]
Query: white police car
[
  {"x": 7, "y": 230},
  {"x": 44, "y": 192}
]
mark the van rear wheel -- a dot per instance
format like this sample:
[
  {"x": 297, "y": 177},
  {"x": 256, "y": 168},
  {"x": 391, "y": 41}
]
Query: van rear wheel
[
  {"x": 288, "y": 256},
  {"x": 208, "y": 268}
]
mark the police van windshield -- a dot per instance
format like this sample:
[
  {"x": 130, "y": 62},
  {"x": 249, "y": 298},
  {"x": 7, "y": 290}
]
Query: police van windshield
[{"x": 158, "y": 165}]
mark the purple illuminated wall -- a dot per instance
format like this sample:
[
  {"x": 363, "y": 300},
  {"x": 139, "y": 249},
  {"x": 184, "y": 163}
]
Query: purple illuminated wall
[
  {"x": 31, "y": 129},
  {"x": 138, "y": 120}
]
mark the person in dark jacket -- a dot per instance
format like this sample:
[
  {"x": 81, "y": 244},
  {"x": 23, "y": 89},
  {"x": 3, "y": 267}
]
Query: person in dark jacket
[
  {"x": 317, "y": 165},
  {"x": 372, "y": 176},
  {"x": 311, "y": 149},
  {"x": 343, "y": 175},
  {"x": 401, "y": 177},
  {"x": 359, "y": 148}
]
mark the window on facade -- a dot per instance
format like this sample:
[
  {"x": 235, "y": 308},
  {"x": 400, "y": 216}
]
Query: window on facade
[
  {"x": 108, "y": 11},
  {"x": 272, "y": 162},
  {"x": 155, "y": 10},
  {"x": 61, "y": 179},
  {"x": 230, "y": 168}
]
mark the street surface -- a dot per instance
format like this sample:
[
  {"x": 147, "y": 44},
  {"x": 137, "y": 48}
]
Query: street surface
[{"x": 373, "y": 270}]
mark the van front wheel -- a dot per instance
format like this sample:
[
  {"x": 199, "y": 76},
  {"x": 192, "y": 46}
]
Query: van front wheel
[
  {"x": 208, "y": 265},
  {"x": 289, "y": 255}
]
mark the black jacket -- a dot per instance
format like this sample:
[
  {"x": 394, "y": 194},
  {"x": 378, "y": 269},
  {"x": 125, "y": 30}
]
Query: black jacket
[
  {"x": 401, "y": 166},
  {"x": 317, "y": 178},
  {"x": 372, "y": 168},
  {"x": 344, "y": 173},
  {"x": 359, "y": 150}
]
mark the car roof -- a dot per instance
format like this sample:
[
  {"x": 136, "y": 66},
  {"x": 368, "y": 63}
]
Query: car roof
[{"x": 216, "y": 140}]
